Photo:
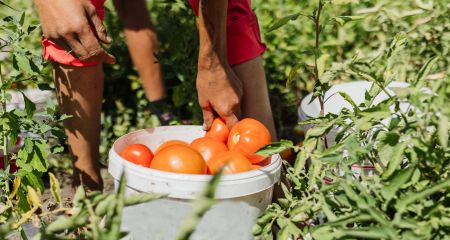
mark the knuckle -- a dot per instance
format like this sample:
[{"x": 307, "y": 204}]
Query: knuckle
[
  {"x": 64, "y": 31},
  {"x": 91, "y": 9}
]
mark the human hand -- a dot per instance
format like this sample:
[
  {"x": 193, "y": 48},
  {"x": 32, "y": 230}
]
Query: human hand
[
  {"x": 75, "y": 26},
  {"x": 219, "y": 90}
]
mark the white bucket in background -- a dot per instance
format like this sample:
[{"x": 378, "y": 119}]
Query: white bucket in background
[
  {"x": 37, "y": 96},
  {"x": 335, "y": 103},
  {"x": 241, "y": 197}
]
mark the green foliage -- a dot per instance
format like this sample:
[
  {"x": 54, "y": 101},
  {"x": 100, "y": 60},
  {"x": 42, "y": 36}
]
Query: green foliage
[{"x": 406, "y": 196}]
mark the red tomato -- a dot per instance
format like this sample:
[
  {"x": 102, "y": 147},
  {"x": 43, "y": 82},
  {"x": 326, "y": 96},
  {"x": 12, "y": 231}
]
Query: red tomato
[
  {"x": 218, "y": 131},
  {"x": 138, "y": 154},
  {"x": 170, "y": 143},
  {"x": 247, "y": 137},
  {"x": 233, "y": 162},
  {"x": 208, "y": 147},
  {"x": 264, "y": 162},
  {"x": 179, "y": 158},
  {"x": 254, "y": 167}
]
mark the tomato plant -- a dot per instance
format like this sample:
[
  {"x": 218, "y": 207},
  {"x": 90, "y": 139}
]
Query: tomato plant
[
  {"x": 138, "y": 154},
  {"x": 247, "y": 137},
  {"x": 179, "y": 159}
]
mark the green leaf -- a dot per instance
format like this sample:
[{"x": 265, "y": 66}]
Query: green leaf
[
  {"x": 142, "y": 198},
  {"x": 389, "y": 191},
  {"x": 387, "y": 142},
  {"x": 292, "y": 75},
  {"x": 350, "y": 100},
  {"x": 321, "y": 61},
  {"x": 54, "y": 188},
  {"x": 39, "y": 155},
  {"x": 22, "y": 63},
  {"x": 103, "y": 206},
  {"x": 412, "y": 197},
  {"x": 201, "y": 205},
  {"x": 341, "y": 20},
  {"x": 80, "y": 194},
  {"x": 16, "y": 185},
  {"x": 395, "y": 160},
  {"x": 22, "y": 19},
  {"x": 67, "y": 223},
  {"x": 424, "y": 71},
  {"x": 45, "y": 87},
  {"x": 275, "y": 148},
  {"x": 283, "y": 21},
  {"x": 318, "y": 131},
  {"x": 443, "y": 130},
  {"x": 30, "y": 107},
  {"x": 33, "y": 197},
  {"x": 4, "y": 4}
]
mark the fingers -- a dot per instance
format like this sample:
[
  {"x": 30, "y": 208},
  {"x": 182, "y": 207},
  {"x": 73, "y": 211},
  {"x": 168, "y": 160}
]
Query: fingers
[
  {"x": 71, "y": 44},
  {"x": 230, "y": 120},
  {"x": 229, "y": 113},
  {"x": 97, "y": 24},
  {"x": 95, "y": 53},
  {"x": 208, "y": 117}
]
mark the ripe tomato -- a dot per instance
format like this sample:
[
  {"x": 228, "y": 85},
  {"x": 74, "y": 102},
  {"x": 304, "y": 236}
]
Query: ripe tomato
[
  {"x": 233, "y": 162},
  {"x": 170, "y": 143},
  {"x": 179, "y": 158},
  {"x": 208, "y": 147},
  {"x": 218, "y": 131},
  {"x": 264, "y": 162},
  {"x": 138, "y": 154},
  {"x": 254, "y": 167},
  {"x": 247, "y": 137}
]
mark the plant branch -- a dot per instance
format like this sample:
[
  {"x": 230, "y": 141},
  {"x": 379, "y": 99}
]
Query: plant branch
[{"x": 5, "y": 140}]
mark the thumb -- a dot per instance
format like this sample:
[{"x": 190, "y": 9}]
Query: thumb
[{"x": 97, "y": 24}]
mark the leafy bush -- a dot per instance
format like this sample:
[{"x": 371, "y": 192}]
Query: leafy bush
[{"x": 407, "y": 196}]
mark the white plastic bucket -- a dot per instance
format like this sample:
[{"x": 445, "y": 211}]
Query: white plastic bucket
[
  {"x": 335, "y": 103},
  {"x": 37, "y": 96},
  {"x": 242, "y": 197}
]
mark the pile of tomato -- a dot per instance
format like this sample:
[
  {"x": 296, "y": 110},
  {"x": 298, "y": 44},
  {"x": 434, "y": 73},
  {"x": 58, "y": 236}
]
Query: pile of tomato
[{"x": 233, "y": 150}]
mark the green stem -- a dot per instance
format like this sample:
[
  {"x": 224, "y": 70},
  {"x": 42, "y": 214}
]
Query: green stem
[
  {"x": 316, "y": 70},
  {"x": 5, "y": 139}
]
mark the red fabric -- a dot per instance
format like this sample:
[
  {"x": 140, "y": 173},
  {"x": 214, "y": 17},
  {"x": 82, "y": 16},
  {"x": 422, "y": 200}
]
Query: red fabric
[
  {"x": 55, "y": 53},
  {"x": 243, "y": 36}
]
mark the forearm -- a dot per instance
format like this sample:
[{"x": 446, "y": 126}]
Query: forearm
[
  {"x": 142, "y": 41},
  {"x": 212, "y": 32}
]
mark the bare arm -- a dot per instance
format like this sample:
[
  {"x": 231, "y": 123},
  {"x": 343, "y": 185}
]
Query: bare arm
[
  {"x": 219, "y": 90},
  {"x": 142, "y": 44}
]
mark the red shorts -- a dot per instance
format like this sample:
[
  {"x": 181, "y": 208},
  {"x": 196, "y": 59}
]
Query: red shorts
[{"x": 243, "y": 37}]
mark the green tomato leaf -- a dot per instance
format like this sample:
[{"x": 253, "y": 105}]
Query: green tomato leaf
[
  {"x": 283, "y": 21},
  {"x": 275, "y": 148},
  {"x": 22, "y": 63},
  {"x": 443, "y": 130},
  {"x": 54, "y": 188},
  {"x": 30, "y": 107},
  {"x": 424, "y": 71},
  {"x": 395, "y": 159},
  {"x": 341, "y": 20}
]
